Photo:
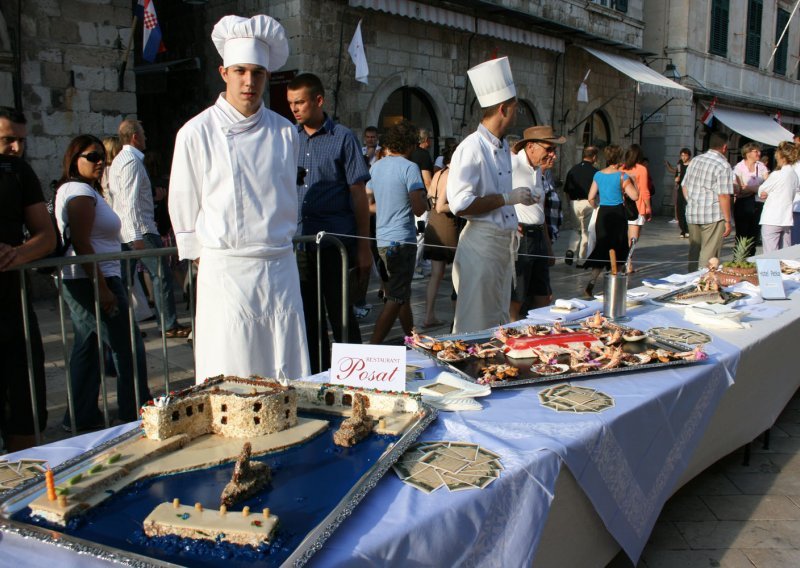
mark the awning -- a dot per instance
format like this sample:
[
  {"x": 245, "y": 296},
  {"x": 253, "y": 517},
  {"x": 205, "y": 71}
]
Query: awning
[
  {"x": 461, "y": 21},
  {"x": 650, "y": 81},
  {"x": 754, "y": 125}
]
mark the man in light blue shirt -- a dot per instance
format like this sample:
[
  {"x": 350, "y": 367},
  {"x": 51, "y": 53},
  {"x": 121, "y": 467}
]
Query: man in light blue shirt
[{"x": 399, "y": 193}]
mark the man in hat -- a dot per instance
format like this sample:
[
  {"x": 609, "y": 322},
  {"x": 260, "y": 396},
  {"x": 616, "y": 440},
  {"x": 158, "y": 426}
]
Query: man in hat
[
  {"x": 532, "y": 157},
  {"x": 479, "y": 189},
  {"x": 233, "y": 204}
]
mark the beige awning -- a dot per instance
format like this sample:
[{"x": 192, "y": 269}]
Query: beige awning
[
  {"x": 460, "y": 21},
  {"x": 754, "y": 125},
  {"x": 649, "y": 80}
]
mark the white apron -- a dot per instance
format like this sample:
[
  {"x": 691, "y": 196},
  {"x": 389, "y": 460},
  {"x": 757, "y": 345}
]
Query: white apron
[
  {"x": 249, "y": 317},
  {"x": 482, "y": 276}
]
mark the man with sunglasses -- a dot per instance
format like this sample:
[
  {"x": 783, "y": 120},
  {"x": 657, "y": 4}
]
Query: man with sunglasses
[
  {"x": 131, "y": 197},
  {"x": 233, "y": 205},
  {"x": 532, "y": 157},
  {"x": 22, "y": 207}
]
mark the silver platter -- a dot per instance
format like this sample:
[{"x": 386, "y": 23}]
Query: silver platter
[{"x": 12, "y": 500}]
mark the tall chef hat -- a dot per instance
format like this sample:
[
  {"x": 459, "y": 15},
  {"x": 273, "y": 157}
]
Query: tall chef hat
[
  {"x": 492, "y": 82},
  {"x": 259, "y": 40}
]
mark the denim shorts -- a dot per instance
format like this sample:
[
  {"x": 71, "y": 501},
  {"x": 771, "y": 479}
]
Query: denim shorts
[{"x": 400, "y": 260}]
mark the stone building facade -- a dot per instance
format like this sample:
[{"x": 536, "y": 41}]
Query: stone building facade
[
  {"x": 721, "y": 49},
  {"x": 61, "y": 62},
  {"x": 418, "y": 53}
]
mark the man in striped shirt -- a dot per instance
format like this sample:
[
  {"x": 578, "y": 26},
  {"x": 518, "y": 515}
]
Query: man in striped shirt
[
  {"x": 707, "y": 187},
  {"x": 131, "y": 198}
]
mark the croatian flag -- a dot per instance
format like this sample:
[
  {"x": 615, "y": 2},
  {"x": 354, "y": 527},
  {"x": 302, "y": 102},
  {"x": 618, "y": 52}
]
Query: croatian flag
[
  {"x": 708, "y": 117},
  {"x": 151, "y": 31}
]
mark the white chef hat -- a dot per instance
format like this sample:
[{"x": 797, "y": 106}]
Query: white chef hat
[
  {"x": 492, "y": 82},
  {"x": 259, "y": 40}
]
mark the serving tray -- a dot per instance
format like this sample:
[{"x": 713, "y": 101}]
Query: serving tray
[
  {"x": 669, "y": 297},
  {"x": 293, "y": 545},
  {"x": 470, "y": 368}
]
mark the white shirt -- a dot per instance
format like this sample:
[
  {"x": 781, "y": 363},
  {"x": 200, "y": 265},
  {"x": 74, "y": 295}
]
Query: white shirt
[
  {"x": 796, "y": 201},
  {"x": 781, "y": 187},
  {"x": 105, "y": 229},
  {"x": 232, "y": 187},
  {"x": 481, "y": 166},
  {"x": 131, "y": 195},
  {"x": 525, "y": 175}
]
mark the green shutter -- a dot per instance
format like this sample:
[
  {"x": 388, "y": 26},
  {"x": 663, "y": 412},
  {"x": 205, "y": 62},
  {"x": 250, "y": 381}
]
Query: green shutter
[
  {"x": 752, "y": 49},
  {"x": 720, "y": 10}
]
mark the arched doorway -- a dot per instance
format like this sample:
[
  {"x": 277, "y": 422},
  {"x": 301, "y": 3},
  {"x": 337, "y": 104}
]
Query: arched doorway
[
  {"x": 525, "y": 119},
  {"x": 412, "y": 104},
  {"x": 596, "y": 130}
]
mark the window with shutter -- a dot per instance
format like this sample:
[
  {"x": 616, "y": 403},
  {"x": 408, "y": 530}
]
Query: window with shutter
[
  {"x": 752, "y": 48},
  {"x": 720, "y": 10},
  {"x": 621, "y": 5},
  {"x": 783, "y": 49}
]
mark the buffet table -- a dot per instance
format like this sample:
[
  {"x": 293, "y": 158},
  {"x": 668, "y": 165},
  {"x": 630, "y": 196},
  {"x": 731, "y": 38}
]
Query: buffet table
[{"x": 622, "y": 463}]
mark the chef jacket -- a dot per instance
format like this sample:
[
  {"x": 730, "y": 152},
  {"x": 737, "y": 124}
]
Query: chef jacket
[
  {"x": 232, "y": 187},
  {"x": 481, "y": 166}
]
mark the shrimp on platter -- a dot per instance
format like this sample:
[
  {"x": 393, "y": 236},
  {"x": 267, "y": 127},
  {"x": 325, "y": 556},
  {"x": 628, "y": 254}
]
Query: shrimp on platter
[{"x": 484, "y": 350}]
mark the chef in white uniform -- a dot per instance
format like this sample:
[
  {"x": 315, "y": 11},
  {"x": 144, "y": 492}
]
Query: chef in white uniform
[
  {"x": 479, "y": 189},
  {"x": 233, "y": 204}
]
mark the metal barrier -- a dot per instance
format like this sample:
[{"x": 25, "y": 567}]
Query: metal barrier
[{"x": 130, "y": 256}]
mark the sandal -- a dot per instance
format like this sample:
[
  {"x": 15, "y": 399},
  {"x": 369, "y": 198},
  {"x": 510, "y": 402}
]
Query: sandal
[{"x": 178, "y": 332}]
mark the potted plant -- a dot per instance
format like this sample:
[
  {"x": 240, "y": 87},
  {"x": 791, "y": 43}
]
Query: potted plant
[{"x": 739, "y": 269}]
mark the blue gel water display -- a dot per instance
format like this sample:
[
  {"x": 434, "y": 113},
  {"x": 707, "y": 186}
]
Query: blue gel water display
[{"x": 308, "y": 482}]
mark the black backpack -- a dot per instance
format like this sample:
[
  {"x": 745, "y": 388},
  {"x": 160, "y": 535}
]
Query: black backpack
[{"x": 63, "y": 240}]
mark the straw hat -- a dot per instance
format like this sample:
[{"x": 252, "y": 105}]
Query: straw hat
[{"x": 538, "y": 134}]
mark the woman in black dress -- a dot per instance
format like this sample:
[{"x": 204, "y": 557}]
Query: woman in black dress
[{"x": 611, "y": 227}]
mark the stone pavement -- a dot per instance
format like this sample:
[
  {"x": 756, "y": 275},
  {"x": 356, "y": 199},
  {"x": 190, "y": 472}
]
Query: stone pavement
[{"x": 730, "y": 515}]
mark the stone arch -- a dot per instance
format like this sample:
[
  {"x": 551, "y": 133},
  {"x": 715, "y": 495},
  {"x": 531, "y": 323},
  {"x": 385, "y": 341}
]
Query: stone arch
[
  {"x": 595, "y": 105},
  {"x": 410, "y": 78}
]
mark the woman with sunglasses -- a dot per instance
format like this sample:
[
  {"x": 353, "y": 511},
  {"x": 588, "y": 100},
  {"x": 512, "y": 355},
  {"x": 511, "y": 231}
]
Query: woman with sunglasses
[{"x": 93, "y": 228}]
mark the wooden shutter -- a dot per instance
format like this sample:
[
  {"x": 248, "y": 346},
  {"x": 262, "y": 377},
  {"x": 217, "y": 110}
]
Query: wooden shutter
[
  {"x": 720, "y": 10},
  {"x": 752, "y": 48}
]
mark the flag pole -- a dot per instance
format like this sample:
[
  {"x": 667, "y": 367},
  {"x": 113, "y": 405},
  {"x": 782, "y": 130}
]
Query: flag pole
[
  {"x": 338, "y": 72},
  {"x": 783, "y": 34},
  {"x": 124, "y": 63}
]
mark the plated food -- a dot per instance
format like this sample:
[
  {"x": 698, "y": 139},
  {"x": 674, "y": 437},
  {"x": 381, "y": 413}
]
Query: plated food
[{"x": 538, "y": 353}]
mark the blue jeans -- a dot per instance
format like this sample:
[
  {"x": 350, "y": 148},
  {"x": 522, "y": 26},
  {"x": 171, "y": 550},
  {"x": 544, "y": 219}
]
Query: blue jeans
[
  {"x": 161, "y": 286},
  {"x": 84, "y": 362}
]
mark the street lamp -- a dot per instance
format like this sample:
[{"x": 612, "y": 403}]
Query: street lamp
[{"x": 671, "y": 72}]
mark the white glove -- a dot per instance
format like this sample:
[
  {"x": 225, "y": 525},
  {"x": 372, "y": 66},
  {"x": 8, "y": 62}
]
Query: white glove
[{"x": 519, "y": 195}]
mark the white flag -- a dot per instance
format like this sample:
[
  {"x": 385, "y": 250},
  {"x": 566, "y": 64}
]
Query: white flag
[
  {"x": 583, "y": 89},
  {"x": 356, "y": 51}
]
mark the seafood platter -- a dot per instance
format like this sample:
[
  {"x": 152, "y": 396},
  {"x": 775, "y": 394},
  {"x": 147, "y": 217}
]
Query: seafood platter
[
  {"x": 690, "y": 295},
  {"x": 535, "y": 354},
  {"x": 708, "y": 289}
]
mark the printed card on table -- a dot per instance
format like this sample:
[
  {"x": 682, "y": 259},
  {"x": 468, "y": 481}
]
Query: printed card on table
[
  {"x": 379, "y": 367},
  {"x": 769, "y": 279}
]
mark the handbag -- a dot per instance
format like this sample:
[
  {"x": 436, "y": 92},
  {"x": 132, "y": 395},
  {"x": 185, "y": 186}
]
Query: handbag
[{"x": 631, "y": 210}]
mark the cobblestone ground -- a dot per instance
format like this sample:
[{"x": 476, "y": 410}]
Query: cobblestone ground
[{"x": 730, "y": 515}]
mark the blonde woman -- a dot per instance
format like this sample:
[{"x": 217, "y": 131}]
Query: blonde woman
[
  {"x": 112, "y": 146},
  {"x": 778, "y": 193}
]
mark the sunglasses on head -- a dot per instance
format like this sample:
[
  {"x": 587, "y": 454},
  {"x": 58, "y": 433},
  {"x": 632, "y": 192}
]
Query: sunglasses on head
[{"x": 94, "y": 157}]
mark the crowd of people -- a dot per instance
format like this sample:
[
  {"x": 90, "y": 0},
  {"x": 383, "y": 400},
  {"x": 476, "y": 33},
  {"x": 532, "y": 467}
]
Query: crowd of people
[{"x": 488, "y": 207}]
